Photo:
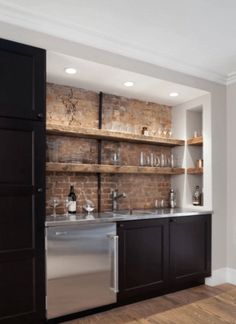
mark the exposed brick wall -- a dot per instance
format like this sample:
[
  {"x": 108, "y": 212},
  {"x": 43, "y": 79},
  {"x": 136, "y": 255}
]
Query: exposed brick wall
[
  {"x": 58, "y": 185},
  {"x": 72, "y": 149},
  {"x": 78, "y": 107},
  {"x": 141, "y": 190},
  {"x": 72, "y": 106},
  {"x": 120, "y": 113}
]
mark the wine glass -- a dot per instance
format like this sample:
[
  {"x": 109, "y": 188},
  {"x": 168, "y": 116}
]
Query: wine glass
[
  {"x": 88, "y": 206},
  {"x": 157, "y": 204},
  {"x": 54, "y": 202},
  {"x": 66, "y": 202}
]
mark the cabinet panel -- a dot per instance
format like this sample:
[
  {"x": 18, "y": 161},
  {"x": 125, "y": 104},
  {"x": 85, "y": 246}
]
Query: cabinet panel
[
  {"x": 17, "y": 286},
  {"x": 16, "y": 221},
  {"x": 22, "y": 81},
  {"x": 143, "y": 257},
  {"x": 17, "y": 161},
  {"x": 190, "y": 248}
]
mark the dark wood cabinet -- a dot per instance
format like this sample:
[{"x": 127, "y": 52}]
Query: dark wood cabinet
[
  {"x": 22, "y": 183},
  {"x": 22, "y": 92},
  {"x": 162, "y": 255},
  {"x": 190, "y": 249},
  {"x": 143, "y": 258}
]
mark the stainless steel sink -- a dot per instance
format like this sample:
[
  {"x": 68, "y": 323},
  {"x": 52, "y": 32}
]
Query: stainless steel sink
[{"x": 136, "y": 212}]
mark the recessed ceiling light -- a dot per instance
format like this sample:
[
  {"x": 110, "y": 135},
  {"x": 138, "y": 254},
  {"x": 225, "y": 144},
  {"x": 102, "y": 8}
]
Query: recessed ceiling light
[
  {"x": 173, "y": 94},
  {"x": 129, "y": 84},
  {"x": 70, "y": 70}
]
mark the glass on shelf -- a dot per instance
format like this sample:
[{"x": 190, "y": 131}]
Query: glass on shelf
[
  {"x": 164, "y": 132},
  {"x": 115, "y": 158},
  {"x": 160, "y": 132},
  {"x": 157, "y": 161},
  {"x": 142, "y": 163},
  {"x": 169, "y": 133},
  {"x": 163, "y": 160},
  {"x": 144, "y": 159},
  {"x": 76, "y": 158},
  {"x": 52, "y": 151},
  {"x": 73, "y": 158},
  {"x": 172, "y": 161}
]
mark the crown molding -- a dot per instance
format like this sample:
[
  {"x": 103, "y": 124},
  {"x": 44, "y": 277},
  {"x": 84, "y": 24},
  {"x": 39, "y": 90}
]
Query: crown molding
[
  {"x": 231, "y": 78},
  {"x": 26, "y": 18}
]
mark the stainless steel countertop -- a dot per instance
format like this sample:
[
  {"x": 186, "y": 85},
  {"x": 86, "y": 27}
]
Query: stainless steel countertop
[{"x": 106, "y": 217}]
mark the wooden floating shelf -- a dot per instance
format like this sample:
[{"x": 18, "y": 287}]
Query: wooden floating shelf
[
  {"x": 110, "y": 135},
  {"x": 195, "y": 141},
  {"x": 195, "y": 170},
  {"x": 100, "y": 168}
]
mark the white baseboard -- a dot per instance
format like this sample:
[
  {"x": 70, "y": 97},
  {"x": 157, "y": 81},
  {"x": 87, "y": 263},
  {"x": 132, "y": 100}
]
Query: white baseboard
[
  {"x": 221, "y": 276},
  {"x": 231, "y": 276},
  {"x": 218, "y": 277}
]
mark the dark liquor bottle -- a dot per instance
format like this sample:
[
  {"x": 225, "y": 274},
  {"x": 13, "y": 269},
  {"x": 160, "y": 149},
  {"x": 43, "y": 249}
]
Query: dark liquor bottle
[{"x": 72, "y": 201}]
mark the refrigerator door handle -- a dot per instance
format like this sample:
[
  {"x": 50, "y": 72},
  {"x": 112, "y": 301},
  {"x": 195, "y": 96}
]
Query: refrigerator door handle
[
  {"x": 115, "y": 239},
  {"x": 116, "y": 270}
]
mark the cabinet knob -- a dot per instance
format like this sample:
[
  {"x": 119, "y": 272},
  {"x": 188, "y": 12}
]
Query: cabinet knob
[
  {"x": 40, "y": 190},
  {"x": 40, "y": 116}
]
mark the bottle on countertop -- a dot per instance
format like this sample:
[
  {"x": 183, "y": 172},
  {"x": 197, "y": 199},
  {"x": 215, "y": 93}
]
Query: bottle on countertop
[
  {"x": 197, "y": 197},
  {"x": 172, "y": 198},
  {"x": 72, "y": 199}
]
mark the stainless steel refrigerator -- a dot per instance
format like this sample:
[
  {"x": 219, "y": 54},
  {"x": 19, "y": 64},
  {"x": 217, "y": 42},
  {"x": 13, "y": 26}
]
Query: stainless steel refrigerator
[{"x": 82, "y": 267}]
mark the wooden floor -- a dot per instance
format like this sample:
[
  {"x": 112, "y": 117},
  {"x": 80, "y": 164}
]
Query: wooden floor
[{"x": 199, "y": 305}]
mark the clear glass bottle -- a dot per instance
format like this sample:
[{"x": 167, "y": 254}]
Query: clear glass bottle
[
  {"x": 172, "y": 198},
  {"x": 197, "y": 197}
]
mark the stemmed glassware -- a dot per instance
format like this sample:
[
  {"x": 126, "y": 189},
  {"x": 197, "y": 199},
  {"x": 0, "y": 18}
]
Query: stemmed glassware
[
  {"x": 54, "y": 202},
  {"x": 66, "y": 203},
  {"x": 88, "y": 206}
]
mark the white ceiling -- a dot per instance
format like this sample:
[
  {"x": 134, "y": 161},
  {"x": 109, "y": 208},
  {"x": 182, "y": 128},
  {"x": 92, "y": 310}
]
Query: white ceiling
[
  {"x": 197, "y": 37},
  {"x": 99, "y": 77}
]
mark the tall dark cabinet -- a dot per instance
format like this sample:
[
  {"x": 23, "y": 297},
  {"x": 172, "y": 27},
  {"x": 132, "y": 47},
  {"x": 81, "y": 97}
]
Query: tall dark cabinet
[{"x": 22, "y": 183}]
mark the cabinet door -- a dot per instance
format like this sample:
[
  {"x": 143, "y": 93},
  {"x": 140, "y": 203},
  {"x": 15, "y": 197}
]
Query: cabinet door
[
  {"x": 143, "y": 258},
  {"x": 22, "y": 81},
  {"x": 190, "y": 249},
  {"x": 22, "y": 285}
]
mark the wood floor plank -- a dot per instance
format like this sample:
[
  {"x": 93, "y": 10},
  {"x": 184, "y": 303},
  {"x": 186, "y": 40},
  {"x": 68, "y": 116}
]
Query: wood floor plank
[{"x": 198, "y": 305}]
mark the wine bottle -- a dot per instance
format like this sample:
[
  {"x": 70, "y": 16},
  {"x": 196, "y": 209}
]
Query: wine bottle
[{"x": 72, "y": 201}]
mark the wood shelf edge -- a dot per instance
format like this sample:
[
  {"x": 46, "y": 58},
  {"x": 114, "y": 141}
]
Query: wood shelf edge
[
  {"x": 195, "y": 141},
  {"x": 101, "y": 168},
  {"x": 110, "y": 135},
  {"x": 195, "y": 171}
]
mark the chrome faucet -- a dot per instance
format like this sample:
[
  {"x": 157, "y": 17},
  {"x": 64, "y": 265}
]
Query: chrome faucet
[{"x": 115, "y": 196}]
